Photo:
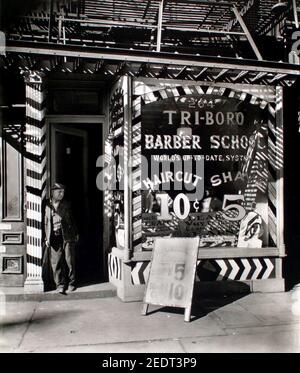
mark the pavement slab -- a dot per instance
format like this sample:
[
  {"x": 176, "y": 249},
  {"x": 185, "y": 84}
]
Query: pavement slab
[
  {"x": 109, "y": 321},
  {"x": 271, "y": 342},
  {"x": 14, "y": 322},
  {"x": 235, "y": 315},
  {"x": 265, "y": 329},
  {"x": 18, "y": 294},
  {"x": 248, "y": 323},
  {"x": 163, "y": 346},
  {"x": 264, "y": 313}
]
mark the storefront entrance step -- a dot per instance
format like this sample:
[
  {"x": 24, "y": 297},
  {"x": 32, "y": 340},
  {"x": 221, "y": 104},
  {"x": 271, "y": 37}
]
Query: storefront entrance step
[{"x": 15, "y": 294}]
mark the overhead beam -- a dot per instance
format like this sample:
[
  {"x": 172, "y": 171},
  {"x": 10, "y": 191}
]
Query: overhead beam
[
  {"x": 243, "y": 11},
  {"x": 295, "y": 13},
  {"x": 203, "y": 30},
  {"x": 114, "y": 54},
  {"x": 220, "y": 74},
  {"x": 107, "y": 22},
  {"x": 240, "y": 75},
  {"x": 146, "y": 9},
  {"x": 50, "y": 24},
  {"x": 207, "y": 15},
  {"x": 247, "y": 33},
  {"x": 203, "y": 2},
  {"x": 159, "y": 25},
  {"x": 258, "y": 77}
]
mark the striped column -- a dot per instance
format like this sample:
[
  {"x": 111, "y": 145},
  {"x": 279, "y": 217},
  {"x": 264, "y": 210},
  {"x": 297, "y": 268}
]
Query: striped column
[
  {"x": 136, "y": 176},
  {"x": 275, "y": 147},
  {"x": 35, "y": 168},
  {"x": 126, "y": 83},
  {"x": 280, "y": 170},
  {"x": 108, "y": 192},
  {"x": 255, "y": 168}
]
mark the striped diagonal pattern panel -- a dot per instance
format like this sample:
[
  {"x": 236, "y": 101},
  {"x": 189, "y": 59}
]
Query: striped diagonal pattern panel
[
  {"x": 245, "y": 269},
  {"x": 140, "y": 273},
  {"x": 275, "y": 158},
  {"x": 255, "y": 168},
  {"x": 114, "y": 267},
  {"x": 236, "y": 269},
  {"x": 275, "y": 143},
  {"x": 35, "y": 151}
]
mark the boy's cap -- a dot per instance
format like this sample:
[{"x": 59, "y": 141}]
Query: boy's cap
[{"x": 57, "y": 186}]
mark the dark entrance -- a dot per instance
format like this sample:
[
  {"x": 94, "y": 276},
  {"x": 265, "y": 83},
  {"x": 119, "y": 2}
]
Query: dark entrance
[{"x": 74, "y": 151}]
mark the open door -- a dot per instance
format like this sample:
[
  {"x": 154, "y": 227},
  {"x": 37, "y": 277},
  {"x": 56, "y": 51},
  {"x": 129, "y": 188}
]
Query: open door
[{"x": 74, "y": 149}]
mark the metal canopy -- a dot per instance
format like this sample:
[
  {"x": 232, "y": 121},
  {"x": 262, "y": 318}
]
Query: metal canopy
[
  {"x": 181, "y": 39},
  {"x": 107, "y": 63},
  {"x": 183, "y": 26}
]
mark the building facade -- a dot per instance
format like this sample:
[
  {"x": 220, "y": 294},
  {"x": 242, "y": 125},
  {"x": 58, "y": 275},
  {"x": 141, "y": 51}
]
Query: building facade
[{"x": 163, "y": 119}]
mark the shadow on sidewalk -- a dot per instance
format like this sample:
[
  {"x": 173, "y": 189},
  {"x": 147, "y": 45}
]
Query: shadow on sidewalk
[
  {"x": 45, "y": 318},
  {"x": 204, "y": 303}
]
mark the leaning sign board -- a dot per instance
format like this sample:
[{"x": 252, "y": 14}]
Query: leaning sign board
[{"x": 172, "y": 274}]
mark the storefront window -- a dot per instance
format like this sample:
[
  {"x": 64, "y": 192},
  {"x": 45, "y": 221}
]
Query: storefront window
[{"x": 205, "y": 168}]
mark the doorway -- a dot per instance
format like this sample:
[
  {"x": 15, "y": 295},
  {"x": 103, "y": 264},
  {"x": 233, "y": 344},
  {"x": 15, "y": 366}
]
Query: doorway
[{"x": 74, "y": 148}]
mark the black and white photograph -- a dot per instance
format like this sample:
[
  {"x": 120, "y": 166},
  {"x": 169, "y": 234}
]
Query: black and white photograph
[{"x": 149, "y": 196}]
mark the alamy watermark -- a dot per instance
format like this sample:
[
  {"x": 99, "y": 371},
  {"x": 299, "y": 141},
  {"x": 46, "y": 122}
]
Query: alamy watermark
[{"x": 160, "y": 172}]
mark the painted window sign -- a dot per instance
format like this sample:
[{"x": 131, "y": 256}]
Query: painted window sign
[{"x": 205, "y": 170}]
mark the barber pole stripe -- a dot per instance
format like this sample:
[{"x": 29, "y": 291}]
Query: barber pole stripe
[
  {"x": 187, "y": 90},
  {"x": 175, "y": 92},
  {"x": 275, "y": 163},
  {"x": 116, "y": 111},
  {"x": 137, "y": 173},
  {"x": 108, "y": 194},
  {"x": 164, "y": 94},
  {"x": 34, "y": 163},
  {"x": 257, "y": 179},
  {"x": 36, "y": 114},
  {"x": 35, "y": 174},
  {"x": 114, "y": 267},
  {"x": 272, "y": 227},
  {"x": 33, "y": 267},
  {"x": 275, "y": 138},
  {"x": 199, "y": 89},
  {"x": 272, "y": 192}
]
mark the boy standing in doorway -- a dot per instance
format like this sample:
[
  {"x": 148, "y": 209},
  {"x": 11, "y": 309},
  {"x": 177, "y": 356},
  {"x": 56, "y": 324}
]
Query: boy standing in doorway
[{"x": 61, "y": 237}]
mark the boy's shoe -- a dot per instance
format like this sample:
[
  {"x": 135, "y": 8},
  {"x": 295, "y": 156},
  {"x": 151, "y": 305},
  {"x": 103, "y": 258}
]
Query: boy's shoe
[
  {"x": 72, "y": 288},
  {"x": 60, "y": 290}
]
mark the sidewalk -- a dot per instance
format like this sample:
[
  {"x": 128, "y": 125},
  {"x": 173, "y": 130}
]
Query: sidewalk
[{"x": 244, "y": 323}]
